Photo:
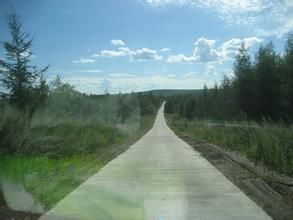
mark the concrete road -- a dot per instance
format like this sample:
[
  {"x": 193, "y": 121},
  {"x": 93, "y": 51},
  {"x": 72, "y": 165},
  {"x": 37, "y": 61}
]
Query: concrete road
[{"x": 160, "y": 177}]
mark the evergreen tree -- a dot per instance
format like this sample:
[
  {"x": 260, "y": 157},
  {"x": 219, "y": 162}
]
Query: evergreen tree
[
  {"x": 267, "y": 81},
  {"x": 244, "y": 82},
  {"x": 287, "y": 78},
  {"x": 20, "y": 79}
]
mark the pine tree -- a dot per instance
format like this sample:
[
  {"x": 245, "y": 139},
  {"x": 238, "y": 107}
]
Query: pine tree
[
  {"x": 17, "y": 76},
  {"x": 287, "y": 77},
  {"x": 267, "y": 81},
  {"x": 244, "y": 82}
]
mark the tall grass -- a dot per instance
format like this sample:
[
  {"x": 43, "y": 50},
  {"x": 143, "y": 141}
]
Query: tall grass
[
  {"x": 268, "y": 143},
  {"x": 68, "y": 139}
]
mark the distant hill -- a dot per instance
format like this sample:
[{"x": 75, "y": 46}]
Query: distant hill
[{"x": 172, "y": 92}]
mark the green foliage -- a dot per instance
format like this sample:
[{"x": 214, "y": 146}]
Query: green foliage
[
  {"x": 70, "y": 137},
  {"x": 25, "y": 84},
  {"x": 267, "y": 81},
  {"x": 64, "y": 174},
  {"x": 13, "y": 129},
  {"x": 267, "y": 143},
  {"x": 261, "y": 88},
  {"x": 70, "y": 123},
  {"x": 244, "y": 82},
  {"x": 287, "y": 79}
]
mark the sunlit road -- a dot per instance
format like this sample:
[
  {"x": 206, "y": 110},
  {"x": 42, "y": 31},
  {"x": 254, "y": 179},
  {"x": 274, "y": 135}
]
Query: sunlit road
[{"x": 160, "y": 177}]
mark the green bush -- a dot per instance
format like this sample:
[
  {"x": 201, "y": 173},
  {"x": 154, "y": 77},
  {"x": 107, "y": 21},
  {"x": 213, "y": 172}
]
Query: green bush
[{"x": 14, "y": 129}]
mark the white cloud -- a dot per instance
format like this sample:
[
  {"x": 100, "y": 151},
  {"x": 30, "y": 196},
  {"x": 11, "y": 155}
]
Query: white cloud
[
  {"x": 126, "y": 50},
  {"x": 223, "y": 6},
  {"x": 96, "y": 55},
  {"x": 122, "y": 51},
  {"x": 204, "y": 51},
  {"x": 112, "y": 53},
  {"x": 229, "y": 49},
  {"x": 84, "y": 60},
  {"x": 116, "y": 42},
  {"x": 145, "y": 54},
  {"x": 180, "y": 58},
  {"x": 251, "y": 14},
  {"x": 166, "y": 49}
]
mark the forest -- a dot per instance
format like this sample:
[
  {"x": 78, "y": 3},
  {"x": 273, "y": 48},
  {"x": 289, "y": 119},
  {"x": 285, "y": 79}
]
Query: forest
[
  {"x": 261, "y": 88},
  {"x": 251, "y": 112}
]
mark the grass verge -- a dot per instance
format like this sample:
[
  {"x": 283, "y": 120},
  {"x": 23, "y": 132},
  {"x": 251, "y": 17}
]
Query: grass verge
[
  {"x": 50, "y": 178},
  {"x": 268, "y": 144}
]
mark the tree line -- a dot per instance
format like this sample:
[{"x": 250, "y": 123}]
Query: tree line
[{"x": 261, "y": 88}]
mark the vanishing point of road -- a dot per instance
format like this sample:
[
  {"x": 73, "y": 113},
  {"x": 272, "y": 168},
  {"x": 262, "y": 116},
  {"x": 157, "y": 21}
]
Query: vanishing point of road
[{"x": 160, "y": 177}]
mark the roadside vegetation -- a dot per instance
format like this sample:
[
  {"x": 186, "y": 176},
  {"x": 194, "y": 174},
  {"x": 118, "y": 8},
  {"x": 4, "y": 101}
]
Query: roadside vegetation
[
  {"x": 52, "y": 137},
  {"x": 250, "y": 113}
]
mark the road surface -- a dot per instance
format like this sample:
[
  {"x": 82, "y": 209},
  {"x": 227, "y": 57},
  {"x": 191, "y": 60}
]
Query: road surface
[{"x": 160, "y": 177}]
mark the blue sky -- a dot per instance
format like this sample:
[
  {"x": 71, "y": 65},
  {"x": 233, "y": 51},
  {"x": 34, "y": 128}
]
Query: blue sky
[{"x": 136, "y": 45}]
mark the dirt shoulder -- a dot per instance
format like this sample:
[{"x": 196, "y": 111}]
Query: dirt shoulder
[
  {"x": 17, "y": 215},
  {"x": 270, "y": 190}
]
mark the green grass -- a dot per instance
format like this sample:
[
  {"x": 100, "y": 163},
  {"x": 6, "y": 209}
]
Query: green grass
[
  {"x": 49, "y": 180},
  {"x": 67, "y": 140},
  {"x": 268, "y": 143},
  {"x": 72, "y": 138},
  {"x": 55, "y": 160}
]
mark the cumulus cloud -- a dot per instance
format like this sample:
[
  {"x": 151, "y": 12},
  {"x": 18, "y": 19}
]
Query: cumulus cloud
[
  {"x": 229, "y": 49},
  {"x": 84, "y": 60},
  {"x": 145, "y": 54},
  {"x": 181, "y": 58},
  {"x": 116, "y": 42},
  {"x": 206, "y": 51},
  {"x": 112, "y": 53}
]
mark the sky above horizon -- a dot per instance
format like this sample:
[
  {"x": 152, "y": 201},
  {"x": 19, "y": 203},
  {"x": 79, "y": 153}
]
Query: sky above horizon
[{"x": 138, "y": 45}]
